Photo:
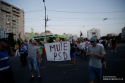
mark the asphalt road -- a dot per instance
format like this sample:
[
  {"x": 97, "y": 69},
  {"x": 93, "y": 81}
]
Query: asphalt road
[{"x": 64, "y": 72}]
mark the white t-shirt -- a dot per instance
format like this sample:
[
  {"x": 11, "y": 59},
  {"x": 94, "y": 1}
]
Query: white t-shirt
[
  {"x": 82, "y": 45},
  {"x": 79, "y": 46},
  {"x": 100, "y": 41},
  {"x": 106, "y": 41}
]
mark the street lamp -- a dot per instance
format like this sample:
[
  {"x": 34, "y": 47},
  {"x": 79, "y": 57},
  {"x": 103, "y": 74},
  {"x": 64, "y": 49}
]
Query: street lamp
[{"x": 45, "y": 20}]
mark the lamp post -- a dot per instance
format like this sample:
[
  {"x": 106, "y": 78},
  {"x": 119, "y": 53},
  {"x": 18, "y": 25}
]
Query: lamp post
[{"x": 45, "y": 20}]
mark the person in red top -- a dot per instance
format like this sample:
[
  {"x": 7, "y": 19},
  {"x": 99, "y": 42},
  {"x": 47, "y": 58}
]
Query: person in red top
[
  {"x": 114, "y": 44},
  {"x": 43, "y": 51}
]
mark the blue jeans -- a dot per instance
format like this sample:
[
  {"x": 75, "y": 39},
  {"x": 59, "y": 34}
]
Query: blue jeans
[
  {"x": 33, "y": 64},
  {"x": 94, "y": 71},
  {"x": 73, "y": 54}
]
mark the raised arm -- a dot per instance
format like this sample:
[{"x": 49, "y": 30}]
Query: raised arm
[{"x": 21, "y": 38}]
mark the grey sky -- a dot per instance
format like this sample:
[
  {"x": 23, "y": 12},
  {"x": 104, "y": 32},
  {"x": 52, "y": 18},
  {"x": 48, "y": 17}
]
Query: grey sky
[{"x": 69, "y": 16}]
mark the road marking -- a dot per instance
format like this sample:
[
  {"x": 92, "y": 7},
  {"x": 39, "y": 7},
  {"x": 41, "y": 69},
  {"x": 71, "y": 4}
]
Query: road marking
[
  {"x": 118, "y": 59},
  {"x": 65, "y": 65},
  {"x": 71, "y": 70}
]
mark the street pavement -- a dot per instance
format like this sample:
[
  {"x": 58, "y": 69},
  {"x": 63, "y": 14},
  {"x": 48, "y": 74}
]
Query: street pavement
[{"x": 64, "y": 72}]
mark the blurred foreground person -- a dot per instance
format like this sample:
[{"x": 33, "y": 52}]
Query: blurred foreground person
[
  {"x": 6, "y": 75},
  {"x": 96, "y": 53}
]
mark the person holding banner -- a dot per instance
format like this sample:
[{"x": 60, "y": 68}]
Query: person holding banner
[
  {"x": 73, "y": 52},
  {"x": 33, "y": 55}
]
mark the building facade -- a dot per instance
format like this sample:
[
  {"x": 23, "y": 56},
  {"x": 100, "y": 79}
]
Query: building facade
[
  {"x": 70, "y": 37},
  {"x": 93, "y": 33},
  {"x": 2, "y": 34},
  {"x": 27, "y": 36},
  {"x": 47, "y": 33},
  {"x": 11, "y": 19},
  {"x": 123, "y": 33}
]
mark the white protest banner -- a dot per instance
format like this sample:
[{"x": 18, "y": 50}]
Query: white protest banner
[{"x": 59, "y": 51}]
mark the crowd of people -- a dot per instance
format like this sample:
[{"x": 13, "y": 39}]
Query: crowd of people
[
  {"x": 94, "y": 49},
  {"x": 33, "y": 53}
]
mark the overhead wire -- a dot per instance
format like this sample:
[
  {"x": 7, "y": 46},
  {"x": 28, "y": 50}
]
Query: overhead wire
[
  {"x": 57, "y": 29},
  {"x": 74, "y": 25},
  {"x": 78, "y": 25},
  {"x": 86, "y": 12},
  {"x": 75, "y": 11},
  {"x": 77, "y": 18},
  {"x": 34, "y": 11}
]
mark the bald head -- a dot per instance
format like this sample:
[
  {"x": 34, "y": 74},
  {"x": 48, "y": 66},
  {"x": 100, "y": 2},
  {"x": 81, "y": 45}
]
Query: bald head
[{"x": 34, "y": 41}]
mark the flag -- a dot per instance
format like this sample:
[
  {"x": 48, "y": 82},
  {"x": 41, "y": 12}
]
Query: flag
[
  {"x": 80, "y": 33},
  {"x": 43, "y": 0},
  {"x": 32, "y": 33}
]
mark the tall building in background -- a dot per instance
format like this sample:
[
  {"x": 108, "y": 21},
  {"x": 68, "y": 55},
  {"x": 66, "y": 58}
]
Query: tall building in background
[
  {"x": 2, "y": 34},
  {"x": 123, "y": 33},
  {"x": 11, "y": 19},
  {"x": 93, "y": 33},
  {"x": 68, "y": 36}
]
